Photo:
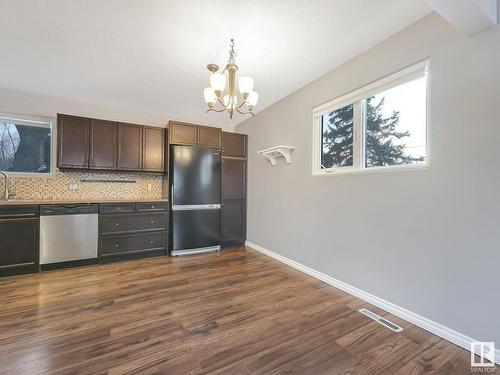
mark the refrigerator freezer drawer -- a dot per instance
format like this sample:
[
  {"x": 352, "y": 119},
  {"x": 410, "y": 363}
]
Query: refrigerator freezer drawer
[{"x": 194, "y": 229}]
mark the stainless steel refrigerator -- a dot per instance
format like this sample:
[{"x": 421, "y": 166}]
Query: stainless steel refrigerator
[{"x": 195, "y": 178}]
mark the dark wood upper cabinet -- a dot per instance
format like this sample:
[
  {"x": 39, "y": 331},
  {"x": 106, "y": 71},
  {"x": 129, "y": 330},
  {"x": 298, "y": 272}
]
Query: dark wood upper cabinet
[
  {"x": 73, "y": 135},
  {"x": 234, "y": 144},
  {"x": 183, "y": 133},
  {"x": 166, "y": 156},
  {"x": 95, "y": 144},
  {"x": 209, "y": 136},
  {"x": 103, "y": 144},
  {"x": 153, "y": 149},
  {"x": 234, "y": 179},
  {"x": 129, "y": 147}
]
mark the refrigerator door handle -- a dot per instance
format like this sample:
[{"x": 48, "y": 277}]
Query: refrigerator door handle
[{"x": 189, "y": 207}]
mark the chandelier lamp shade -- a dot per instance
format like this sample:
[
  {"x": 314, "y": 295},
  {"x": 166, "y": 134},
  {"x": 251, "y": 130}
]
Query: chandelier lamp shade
[{"x": 220, "y": 98}]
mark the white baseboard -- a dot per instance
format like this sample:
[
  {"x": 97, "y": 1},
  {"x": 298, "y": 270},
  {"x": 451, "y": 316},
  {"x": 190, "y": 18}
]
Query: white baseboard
[{"x": 437, "y": 329}]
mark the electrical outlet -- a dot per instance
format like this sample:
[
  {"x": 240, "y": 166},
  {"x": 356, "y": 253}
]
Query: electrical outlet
[{"x": 73, "y": 187}]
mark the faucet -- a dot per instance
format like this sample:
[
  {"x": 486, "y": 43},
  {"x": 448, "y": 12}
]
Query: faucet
[{"x": 6, "y": 194}]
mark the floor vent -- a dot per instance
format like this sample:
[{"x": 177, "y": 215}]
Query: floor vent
[{"x": 381, "y": 320}]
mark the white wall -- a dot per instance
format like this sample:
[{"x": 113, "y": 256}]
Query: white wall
[
  {"x": 427, "y": 240},
  {"x": 48, "y": 106}
]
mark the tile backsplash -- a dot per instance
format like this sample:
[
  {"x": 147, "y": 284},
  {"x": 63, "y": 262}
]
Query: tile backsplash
[{"x": 57, "y": 186}]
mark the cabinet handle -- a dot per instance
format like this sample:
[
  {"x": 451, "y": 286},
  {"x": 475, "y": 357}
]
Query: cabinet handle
[
  {"x": 117, "y": 224},
  {"x": 117, "y": 245},
  {"x": 117, "y": 208},
  {"x": 152, "y": 222}
]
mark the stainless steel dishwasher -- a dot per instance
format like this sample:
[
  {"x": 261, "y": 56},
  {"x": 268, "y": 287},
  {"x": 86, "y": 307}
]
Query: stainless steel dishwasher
[{"x": 68, "y": 233}]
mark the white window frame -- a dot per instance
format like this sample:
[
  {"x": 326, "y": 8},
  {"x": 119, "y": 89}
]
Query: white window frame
[
  {"x": 356, "y": 98},
  {"x": 42, "y": 122}
]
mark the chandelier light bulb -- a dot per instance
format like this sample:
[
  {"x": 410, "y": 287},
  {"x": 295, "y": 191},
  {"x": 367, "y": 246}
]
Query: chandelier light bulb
[
  {"x": 218, "y": 83},
  {"x": 210, "y": 96},
  {"x": 246, "y": 85},
  {"x": 253, "y": 98}
]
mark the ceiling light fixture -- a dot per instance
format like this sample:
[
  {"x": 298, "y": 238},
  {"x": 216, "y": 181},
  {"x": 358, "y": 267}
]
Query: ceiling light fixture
[{"x": 220, "y": 101}]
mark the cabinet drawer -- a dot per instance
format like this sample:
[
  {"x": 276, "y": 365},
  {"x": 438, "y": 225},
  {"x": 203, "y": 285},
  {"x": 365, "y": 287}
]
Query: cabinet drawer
[
  {"x": 18, "y": 211},
  {"x": 116, "y": 208},
  {"x": 122, "y": 224},
  {"x": 132, "y": 244},
  {"x": 144, "y": 207}
]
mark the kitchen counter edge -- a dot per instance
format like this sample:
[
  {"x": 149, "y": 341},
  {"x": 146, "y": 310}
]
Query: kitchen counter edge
[{"x": 23, "y": 202}]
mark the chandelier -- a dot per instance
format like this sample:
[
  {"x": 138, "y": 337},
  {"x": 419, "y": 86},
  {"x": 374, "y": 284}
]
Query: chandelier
[{"x": 218, "y": 100}]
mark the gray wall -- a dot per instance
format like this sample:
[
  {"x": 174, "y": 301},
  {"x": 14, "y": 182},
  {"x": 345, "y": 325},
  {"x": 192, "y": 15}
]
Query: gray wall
[{"x": 426, "y": 240}]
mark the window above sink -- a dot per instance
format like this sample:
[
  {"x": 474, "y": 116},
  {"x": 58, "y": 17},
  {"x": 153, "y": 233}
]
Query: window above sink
[{"x": 26, "y": 145}]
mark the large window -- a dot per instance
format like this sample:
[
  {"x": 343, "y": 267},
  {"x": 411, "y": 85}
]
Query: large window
[
  {"x": 382, "y": 126},
  {"x": 25, "y": 144}
]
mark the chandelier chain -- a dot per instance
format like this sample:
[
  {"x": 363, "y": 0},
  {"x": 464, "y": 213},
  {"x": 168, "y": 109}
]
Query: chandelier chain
[{"x": 232, "y": 53}]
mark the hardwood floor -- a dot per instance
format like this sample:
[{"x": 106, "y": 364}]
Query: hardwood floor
[{"x": 237, "y": 313}]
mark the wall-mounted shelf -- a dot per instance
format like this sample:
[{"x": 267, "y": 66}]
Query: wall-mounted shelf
[{"x": 276, "y": 152}]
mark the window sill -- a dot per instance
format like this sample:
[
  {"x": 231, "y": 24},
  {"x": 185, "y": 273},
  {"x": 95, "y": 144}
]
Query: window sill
[
  {"x": 372, "y": 170},
  {"x": 30, "y": 175}
]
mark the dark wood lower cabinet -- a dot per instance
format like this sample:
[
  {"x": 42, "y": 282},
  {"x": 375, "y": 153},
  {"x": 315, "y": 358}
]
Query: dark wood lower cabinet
[
  {"x": 18, "y": 240},
  {"x": 138, "y": 243},
  {"x": 233, "y": 223},
  {"x": 132, "y": 230},
  {"x": 126, "y": 230}
]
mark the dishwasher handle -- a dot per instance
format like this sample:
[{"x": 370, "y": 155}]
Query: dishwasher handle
[{"x": 53, "y": 210}]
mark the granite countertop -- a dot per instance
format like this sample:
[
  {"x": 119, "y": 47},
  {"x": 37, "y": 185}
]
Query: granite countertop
[{"x": 19, "y": 202}]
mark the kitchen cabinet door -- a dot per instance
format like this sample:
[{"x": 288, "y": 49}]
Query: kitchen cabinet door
[
  {"x": 103, "y": 144},
  {"x": 183, "y": 133},
  {"x": 73, "y": 136},
  {"x": 18, "y": 244},
  {"x": 129, "y": 147},
  {"x": 234, "y": 144},
  {"x": 153, "y": 149},
  {"x": 209, "y": 136},
  {"x": 233, "y": 223},
  {"x": 233, "y": 179}
]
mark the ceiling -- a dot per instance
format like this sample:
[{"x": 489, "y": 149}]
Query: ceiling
[{"x": 152, "y": 55}]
